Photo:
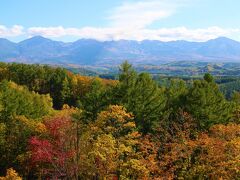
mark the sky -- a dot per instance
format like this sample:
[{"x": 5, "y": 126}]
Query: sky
[{"x": 105, "y": 20}]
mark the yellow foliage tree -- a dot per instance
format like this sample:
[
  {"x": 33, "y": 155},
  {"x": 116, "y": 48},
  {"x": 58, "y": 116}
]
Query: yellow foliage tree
[
  {"x": 11, "y": 175},
  {"x": 111, "y": 143}
]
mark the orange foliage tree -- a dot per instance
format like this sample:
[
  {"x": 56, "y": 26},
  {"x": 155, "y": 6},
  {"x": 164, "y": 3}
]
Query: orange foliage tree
[{"x": 214, "y": 154}]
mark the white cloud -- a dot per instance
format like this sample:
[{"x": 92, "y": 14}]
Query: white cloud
[
  {"x": 15, "y": 30},
  {"x": 163, "y": 34},
  {"x": 101, "y": 34},
  {"x": 140, "y": 14},
  {"x": 183, "y": 33},
  {"x": 47, "y": 31}
]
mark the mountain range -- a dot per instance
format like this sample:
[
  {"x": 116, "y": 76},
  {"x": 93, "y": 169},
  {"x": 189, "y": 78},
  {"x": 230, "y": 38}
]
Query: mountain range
[{"x": 92, "y": 52}]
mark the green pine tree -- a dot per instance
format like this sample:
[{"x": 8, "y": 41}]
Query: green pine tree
[{"x": 207, "y": 104}]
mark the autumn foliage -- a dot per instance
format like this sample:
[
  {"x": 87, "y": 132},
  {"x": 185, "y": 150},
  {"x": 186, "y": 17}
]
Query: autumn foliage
[
  {"x": 54, "y": 150},
  {"x": 11, "y": 175},
  {"x": 213, "y": 154},
  {"x": 55, "y": 124}
]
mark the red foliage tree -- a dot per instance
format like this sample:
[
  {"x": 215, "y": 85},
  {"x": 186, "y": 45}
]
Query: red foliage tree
[{"x": 54, "y": 154}]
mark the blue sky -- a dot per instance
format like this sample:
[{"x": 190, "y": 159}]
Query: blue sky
[{"x": 166, "y": 20}]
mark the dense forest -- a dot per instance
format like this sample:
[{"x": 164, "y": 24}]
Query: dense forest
[{"x": 55, "y": 124}]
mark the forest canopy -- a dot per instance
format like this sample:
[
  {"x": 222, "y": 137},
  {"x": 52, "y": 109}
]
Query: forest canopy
[{"x": 55, "y": 124}]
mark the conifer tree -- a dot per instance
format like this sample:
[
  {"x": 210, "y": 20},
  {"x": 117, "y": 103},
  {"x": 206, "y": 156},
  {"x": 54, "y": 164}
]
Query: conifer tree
[
  {"x": 95, "y": 100},
  {"x": 207, "y": 104},
  {"x": 141, "y": 96}
]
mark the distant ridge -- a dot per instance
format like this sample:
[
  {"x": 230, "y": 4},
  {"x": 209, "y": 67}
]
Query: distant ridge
[{"x": 92, "y": 52}]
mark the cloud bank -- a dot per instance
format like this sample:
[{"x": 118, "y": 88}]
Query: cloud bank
[
  {"x": 14, "y": 31},
  {"x": 107, "y": 34}
]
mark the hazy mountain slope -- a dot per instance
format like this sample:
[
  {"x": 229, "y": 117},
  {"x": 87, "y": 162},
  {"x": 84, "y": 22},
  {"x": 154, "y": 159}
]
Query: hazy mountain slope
[
  {"x": 222, "y": 48},
  {"x": 39, "y": 48},
  {"x": 90, "y": 52},
  {"x": 8, "y": 49}
]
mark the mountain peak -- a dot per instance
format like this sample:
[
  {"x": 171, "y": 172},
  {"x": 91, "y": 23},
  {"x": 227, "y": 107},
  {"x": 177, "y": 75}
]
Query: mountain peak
[
  {"x": 35, "y": 39},
  {"x": 6, "y": 41},
  {"x": 223, "y": 39},
  {"x": 39, "y": 38}
]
